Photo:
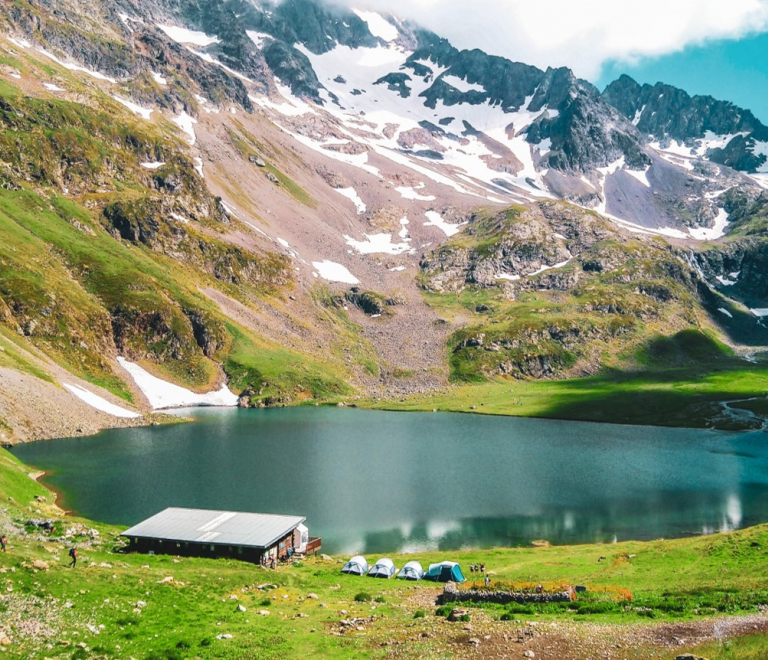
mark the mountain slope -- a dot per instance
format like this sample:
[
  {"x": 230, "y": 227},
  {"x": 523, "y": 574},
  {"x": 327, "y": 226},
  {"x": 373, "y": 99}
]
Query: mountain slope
[{"x": 310, "y": 204}]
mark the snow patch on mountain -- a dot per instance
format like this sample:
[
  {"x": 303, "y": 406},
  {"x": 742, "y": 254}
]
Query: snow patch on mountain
[
  {"x": 162, "y": 394},
  {"x": 100, "y": 403},
  {"x": 187, "y": 124},
  {"x": 144, "y": 113},
  {"x": 378, "y": 26},
  {"x": 75, "y": 67},
  {"x": 407, "y": 192},
  {"x": 378, "y": 244},
  {"x": 184, "y": 36},
  {"x": 436, "y": 220},
  {"x": 334, "y": 272},
  {"x": 351, "y": 194},
  {"x": 714, "y": 232}
]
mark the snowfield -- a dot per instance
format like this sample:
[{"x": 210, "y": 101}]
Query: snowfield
[
  {"x": 99, "y": 403},
  {"x": 334, "y": 272},
  {"x": 184, "y": 36},
  {"x": 162, "y": 394}
]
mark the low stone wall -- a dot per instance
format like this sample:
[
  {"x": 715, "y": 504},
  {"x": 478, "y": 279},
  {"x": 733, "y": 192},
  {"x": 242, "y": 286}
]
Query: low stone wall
[{"x": 452, "y": 594}]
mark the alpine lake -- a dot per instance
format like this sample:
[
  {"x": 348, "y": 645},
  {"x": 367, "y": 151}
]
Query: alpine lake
[{"x": 377, "y": 482}]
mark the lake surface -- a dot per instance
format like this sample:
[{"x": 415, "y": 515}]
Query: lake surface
[{"x": 373, "y": 482}]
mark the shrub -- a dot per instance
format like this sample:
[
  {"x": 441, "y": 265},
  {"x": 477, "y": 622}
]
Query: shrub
[
  {"x": 362, "y": 597},
  {"x": 265, "y": 602},
  {"x": 419, "y": 614},
  {"x": 444, "y": 610},
  {"x": 380, "y": 599}
]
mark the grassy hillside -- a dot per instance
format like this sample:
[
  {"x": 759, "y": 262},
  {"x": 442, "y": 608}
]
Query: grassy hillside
[
  {"x": 121, "y": 605},
  {"x": 103, "y": 257},
  {"x": 624, "y": 331}
]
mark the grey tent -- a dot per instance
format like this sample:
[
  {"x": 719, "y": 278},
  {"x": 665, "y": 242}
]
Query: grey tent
[
  {"x": 411, "y": 571},
  {"x": 356, "y": 566},
  {"x": 384, "y": 568}
]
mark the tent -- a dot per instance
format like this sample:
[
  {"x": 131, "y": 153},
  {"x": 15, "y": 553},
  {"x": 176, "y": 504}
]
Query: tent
[
  {"x": 446, "y": 571},
  {"x": 384, "y": 568},
  {"x": 356, "y": 566},
  {"x": 411, "y": 571}
]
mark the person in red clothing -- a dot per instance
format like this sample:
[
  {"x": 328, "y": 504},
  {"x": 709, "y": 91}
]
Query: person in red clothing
[
  {"x": 3, "y": 542},
  {"x": 73, "y": 555}
]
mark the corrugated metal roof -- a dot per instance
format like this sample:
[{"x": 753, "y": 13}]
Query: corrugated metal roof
[{"x": 255, "y": 530}]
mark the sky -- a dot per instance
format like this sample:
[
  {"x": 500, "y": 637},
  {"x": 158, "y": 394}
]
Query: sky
[{"x": 717, "y": 47}]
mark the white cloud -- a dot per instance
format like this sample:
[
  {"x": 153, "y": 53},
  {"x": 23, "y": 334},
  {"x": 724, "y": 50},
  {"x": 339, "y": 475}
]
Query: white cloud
[{"x": 581, "y": 34}]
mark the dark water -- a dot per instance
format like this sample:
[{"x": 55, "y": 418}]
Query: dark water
[{"x": 374, "y": 481}]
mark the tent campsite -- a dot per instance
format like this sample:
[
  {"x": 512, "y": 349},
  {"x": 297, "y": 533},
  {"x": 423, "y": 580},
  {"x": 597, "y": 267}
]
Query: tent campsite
[
  {"x": 411, "y": 571},
  {"x": 384, "y": 568},
  {"x": 356, "y": 566},
  {"x": 446, "y": 571}
]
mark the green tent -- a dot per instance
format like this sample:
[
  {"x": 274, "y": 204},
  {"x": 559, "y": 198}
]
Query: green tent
[{"x": 446, "y": 571}]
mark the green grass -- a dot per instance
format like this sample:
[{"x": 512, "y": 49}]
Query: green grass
[{"x": 669, "y": 397}]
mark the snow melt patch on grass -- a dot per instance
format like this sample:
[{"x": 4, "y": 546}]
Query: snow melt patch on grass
[
  {"x": 186, "y": 124},
  {"x": 53, "y": 88},
  {"x": 351, "y": 194},
  {"x": 436, "y": 220},
  {"x": 407, "y": 192},
  {"x": 162, "y": 394},
  {"x": 144, "y": 113},
  {"x": 334, "y": 272},
  {"x": 378, "y": 26},
  {"x": 760, "y": 312},
  {"x": 160, "y": 80},
  {"x": 153, "y": 166},
  {"x": 377, "y": 244},
  {"x": 199, "y": 166},
  {"x": 722, "y": 310},
  {"x": 184, "y": 36},
  {"x": 99, "y": 403}
]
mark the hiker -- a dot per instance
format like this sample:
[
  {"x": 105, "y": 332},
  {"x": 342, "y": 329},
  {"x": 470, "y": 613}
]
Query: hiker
[
  {"x": 3, "y": 541},
  {"x": 272, "y": 563},
  {"x": 482, "y": 568},
  {"x": 487, "y": 580},
  {"x": 471, "y": 568},
  {"x": 539, "y": 588},
  {"x": 73, "y": 555}
]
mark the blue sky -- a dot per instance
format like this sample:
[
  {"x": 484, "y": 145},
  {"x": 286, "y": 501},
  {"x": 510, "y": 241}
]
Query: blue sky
[{"x": 733, "y": 70}]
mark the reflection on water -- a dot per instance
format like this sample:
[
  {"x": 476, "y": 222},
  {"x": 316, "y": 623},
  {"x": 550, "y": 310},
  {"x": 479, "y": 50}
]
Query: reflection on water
[{"x": 378, "y": 482}]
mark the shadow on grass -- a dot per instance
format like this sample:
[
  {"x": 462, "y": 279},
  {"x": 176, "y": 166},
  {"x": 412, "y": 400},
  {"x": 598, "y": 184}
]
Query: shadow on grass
[{"x": 688, "y": 377}]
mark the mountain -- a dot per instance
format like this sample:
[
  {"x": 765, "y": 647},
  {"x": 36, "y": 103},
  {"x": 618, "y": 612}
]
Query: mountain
[
  {"x": 694, "y": 125},
  {"x": 308, "y": 204}
]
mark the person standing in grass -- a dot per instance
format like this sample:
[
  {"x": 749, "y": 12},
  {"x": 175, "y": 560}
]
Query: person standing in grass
[
  {"x": 73, "y": 555},
  {"x": 3, "y": 542}
]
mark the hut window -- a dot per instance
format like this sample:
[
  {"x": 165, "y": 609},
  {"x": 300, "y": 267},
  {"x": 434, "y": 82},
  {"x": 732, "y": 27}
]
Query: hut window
[
  {"x": 178, "y": 545},
  {"x": 239, "y": 550},
  {"x": 213, "y": 548},
  {"x": 282, "y": 544}
]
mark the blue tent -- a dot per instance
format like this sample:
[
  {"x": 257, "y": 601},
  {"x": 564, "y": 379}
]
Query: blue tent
[
  {"x": 411, "y": 571},
  {"x": 446, "y": 571},
  {"x": 384, "y": 568},
  {"x": 356, "y": 566}
]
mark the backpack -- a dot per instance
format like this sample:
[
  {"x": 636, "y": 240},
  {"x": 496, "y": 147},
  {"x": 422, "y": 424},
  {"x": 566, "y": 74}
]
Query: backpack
[{"x": 72, "y": 552}]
